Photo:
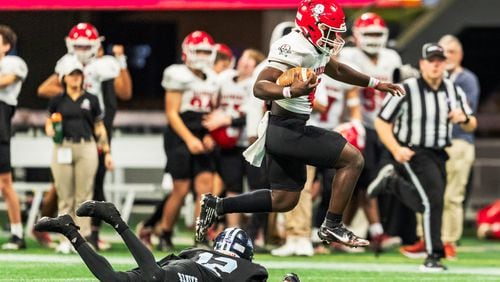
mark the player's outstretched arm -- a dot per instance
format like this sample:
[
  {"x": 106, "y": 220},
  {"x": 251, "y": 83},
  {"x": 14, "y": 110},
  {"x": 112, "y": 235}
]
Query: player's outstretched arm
[
  {"x": 344, "y": 73},
  {"x": 51, "y": 87},
  {"x": 265, "y": 87}
]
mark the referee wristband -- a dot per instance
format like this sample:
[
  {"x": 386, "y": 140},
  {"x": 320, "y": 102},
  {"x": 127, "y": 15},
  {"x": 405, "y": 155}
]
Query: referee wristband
[
  {"x": 287, "y": 93},
  {"x": 373, "y": 82}
]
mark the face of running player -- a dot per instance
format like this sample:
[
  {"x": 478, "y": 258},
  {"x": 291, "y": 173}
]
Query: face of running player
[{"x": 246, "y": 65}]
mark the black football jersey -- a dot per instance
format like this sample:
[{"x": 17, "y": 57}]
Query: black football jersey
[{"x": 220, "y": 267}]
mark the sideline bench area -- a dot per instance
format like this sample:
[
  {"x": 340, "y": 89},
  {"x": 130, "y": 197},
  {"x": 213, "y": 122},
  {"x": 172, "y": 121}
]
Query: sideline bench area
[{"x": 129, "y": 152}]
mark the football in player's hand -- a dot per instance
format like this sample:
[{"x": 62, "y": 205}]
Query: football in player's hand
[{"x": 297, "y": 73}]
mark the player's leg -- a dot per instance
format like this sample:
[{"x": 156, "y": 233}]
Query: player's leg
[
  {"x": 96, "y": 263},
  {"x": 16, "y": 241},
  {"x": 180, "y": 167},
  {"x": 203, "y": 169},
  {"x": 98, "y": 195},
  {"x": 108, "y": 213}
]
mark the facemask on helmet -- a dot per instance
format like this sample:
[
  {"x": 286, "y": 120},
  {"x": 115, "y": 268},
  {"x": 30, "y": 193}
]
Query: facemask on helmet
[
  {"x": 370, "y": 32},
  {"x": 83, "y": 41},
  {"x": 198, "y": 50},
  {"x": 322, "y": 21},
  {"x": 234, "y": 242}
]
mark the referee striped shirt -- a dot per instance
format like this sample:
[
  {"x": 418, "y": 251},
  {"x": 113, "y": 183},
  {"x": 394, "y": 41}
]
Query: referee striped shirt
[{"x": 420, "y": 117}]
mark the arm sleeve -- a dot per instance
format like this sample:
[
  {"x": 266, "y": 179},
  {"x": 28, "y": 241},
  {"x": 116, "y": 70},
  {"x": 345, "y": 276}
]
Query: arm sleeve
[
  {"x": 463, "y": 102},
  {"x": 391, "y": 106},
  {"x": 15, "y": 65},
  {"x": 470, "y": 86},
  {"x": 175, "y": 78}
]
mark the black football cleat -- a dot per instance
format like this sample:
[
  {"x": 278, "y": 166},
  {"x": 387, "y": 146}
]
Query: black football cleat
[
  {"x": 103, "y": 210},
  {"x": 432, "y": 264},
  {"x": 15, "y": 243},
  {"x": 341, "y": 235},
  {"x": 208, "y": 216},
  {"x": 62, "y": 224}
]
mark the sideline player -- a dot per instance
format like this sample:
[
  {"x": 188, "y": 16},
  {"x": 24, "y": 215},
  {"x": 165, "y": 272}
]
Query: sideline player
[
  {"x": 230, "y": 259},
  {"x": 288, "y": 143},
  {"x": 13, "y": 72},
  {"x": 372, "y": 57},
  {"x": 190, "y": 92}
]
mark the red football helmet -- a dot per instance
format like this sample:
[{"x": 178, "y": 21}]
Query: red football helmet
[
  {"x": 354, "y": 132},
  {"x": 226, "y": 137},
  {"x": 224, "y": 49},
  {"x": 322, "y": 21},
  {"x": 84, "y": 41},
  {"x": 198, "y": 50},
  {"x": 370, "y": 32}
]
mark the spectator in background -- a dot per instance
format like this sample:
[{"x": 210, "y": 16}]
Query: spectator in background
[
  {"x": 75, "y": 157},
  {"x": 190, "y": 92},
  {"x": 13, "y": 71},
  {"x": 106, "y": 77},
  {"x": 461, "y": 152}
]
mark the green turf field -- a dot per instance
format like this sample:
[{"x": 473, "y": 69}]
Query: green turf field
[{"x": 478, "y": 261}]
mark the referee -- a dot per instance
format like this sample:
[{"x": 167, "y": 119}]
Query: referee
[{"x": 416, "y": 128}]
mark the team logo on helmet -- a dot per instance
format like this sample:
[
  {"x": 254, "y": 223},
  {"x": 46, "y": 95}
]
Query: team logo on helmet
[
  {"x": 285, "y": 50},
  {"x": 318, "y": 9}
]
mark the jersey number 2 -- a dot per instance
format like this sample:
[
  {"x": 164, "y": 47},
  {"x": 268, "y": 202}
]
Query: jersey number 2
[{"x": 217, "y": 264}]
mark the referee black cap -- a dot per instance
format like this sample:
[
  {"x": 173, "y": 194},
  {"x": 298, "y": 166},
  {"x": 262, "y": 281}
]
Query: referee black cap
[{"x": 430, "y": 50}]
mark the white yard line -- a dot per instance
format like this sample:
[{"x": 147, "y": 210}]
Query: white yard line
[{"x": 358, "y": 267}]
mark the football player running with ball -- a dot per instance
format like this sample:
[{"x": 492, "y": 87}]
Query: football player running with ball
[{"x": 288, "y": 143}]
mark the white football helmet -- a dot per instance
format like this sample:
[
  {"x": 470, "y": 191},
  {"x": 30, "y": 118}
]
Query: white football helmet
[
  {"x": 370, "y": 32},
  {"x": 194, "y": 45},
  {"x": 84, "y": 41}
]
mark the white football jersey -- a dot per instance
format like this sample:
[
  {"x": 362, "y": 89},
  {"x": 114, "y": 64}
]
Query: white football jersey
[
  {"x": 295, "y": 50},
  {"x": 330, "y": 93},
  {"x": 12, "y": 65},
  {"x": 95, "y": 73},
  {"x": 197, "y": 94},
  {"x": 371, "y": 99},
  {"x": 234, "y": 96}
]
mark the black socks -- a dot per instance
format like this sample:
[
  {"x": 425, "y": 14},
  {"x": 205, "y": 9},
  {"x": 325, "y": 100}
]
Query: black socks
[
  {"x": 332, "y": 219},
  {"x": 252, "y": 202}
]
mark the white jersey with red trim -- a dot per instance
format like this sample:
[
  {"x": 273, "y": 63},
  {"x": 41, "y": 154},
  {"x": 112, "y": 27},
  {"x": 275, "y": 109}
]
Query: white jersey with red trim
[
  {"x": 95, "y": 73},
  {"x": 234, "y": 96},
  {"x": 198, "y": 94},
  {"x": 331, "y": 94},
  {"x": 371, "y": 99},
  {"x": 295, "y": 50},
  {"x": 12, "y": 65}
]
